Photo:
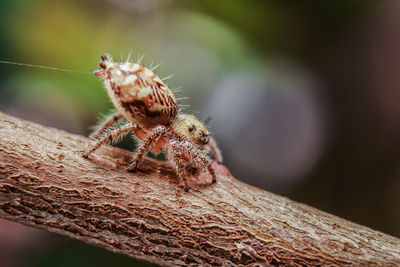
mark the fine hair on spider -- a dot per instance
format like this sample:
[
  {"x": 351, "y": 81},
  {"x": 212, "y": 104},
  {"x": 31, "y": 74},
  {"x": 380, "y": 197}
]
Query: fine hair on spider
[{"x": 152, "y": 112}]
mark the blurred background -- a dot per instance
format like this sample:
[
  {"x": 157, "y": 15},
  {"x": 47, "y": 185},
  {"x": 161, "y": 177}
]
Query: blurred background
[{"x": 303, "y": 95}]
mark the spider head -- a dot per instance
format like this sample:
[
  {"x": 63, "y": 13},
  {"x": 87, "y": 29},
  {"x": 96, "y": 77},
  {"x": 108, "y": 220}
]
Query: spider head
[
  {"x": 105, "y": 61},
  {"x": 191, "y": 129}
]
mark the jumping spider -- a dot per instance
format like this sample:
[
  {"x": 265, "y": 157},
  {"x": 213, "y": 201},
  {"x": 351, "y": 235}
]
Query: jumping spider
[{"x": 151, "y": 110}]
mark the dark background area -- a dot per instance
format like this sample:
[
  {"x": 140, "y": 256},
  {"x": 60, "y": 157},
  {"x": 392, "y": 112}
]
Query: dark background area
[{"x": 303, "y": 95}]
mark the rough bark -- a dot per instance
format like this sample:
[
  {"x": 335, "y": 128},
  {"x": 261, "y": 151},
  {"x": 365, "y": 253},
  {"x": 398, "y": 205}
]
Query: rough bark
[{"x": 45, "y": 183}]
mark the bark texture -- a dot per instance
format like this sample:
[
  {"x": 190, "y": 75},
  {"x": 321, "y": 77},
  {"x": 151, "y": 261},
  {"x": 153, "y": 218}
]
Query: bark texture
[{"x": 45, "y": 183}]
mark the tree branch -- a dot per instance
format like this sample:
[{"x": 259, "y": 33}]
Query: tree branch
[{"x": 45, "y": 183}]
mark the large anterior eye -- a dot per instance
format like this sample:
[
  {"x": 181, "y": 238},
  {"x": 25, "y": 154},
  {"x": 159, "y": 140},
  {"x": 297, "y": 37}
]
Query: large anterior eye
[{"x": 191, "y": 128}]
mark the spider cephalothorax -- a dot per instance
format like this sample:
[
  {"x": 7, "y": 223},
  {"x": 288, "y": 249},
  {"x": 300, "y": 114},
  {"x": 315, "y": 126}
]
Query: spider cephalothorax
[
  {"x": 151, "y": 109},
  {"x": 190, "y": 129}
]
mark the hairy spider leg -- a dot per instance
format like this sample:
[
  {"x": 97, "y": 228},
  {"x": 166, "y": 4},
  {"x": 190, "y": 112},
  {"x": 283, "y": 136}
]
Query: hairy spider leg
[
  {"x": 156, "y": 133},
  {"x": 114, "y": 134},
  {"x": 175, "y": 155},
  {"x": 199, "y": 157},
  {"x": 214, "y": 148},
  {"x": 112, "y": 119}
]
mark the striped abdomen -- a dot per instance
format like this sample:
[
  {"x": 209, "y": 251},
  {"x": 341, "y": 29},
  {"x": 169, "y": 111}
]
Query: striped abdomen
[{"x": 139, "y": 94}]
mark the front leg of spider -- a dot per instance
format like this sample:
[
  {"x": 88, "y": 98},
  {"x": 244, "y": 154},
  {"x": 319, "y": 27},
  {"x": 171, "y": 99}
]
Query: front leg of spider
[
  {"x": 215, "y": 150},
  {"x": 199, "y": 157},
  {"x": 114, "y": 134},
  {"x": 176, "y": 156},
  {"x": 155, "y": 134}
]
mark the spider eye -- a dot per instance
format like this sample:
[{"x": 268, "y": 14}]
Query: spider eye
[
  {"x": 102, "y": 65},
  {"x": 191, "y": 128}
]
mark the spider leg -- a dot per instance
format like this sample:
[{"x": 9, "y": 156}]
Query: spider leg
[
  {"x": 112, "y": 119},
  {"x": 112, "y": 135},
  {"x": 200, "y": 157},
  {"x": 214, "y": 148},
  {"x": 175, "y": 155},
  {"x": 156, "y": 133}
]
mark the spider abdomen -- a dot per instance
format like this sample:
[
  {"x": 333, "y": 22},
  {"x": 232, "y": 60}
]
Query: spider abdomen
[{"x": 141, "y": 96}]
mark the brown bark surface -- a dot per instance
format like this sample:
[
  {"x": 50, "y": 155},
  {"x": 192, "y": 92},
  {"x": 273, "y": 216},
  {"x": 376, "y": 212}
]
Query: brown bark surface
[{"x": 45, "y": 183}]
